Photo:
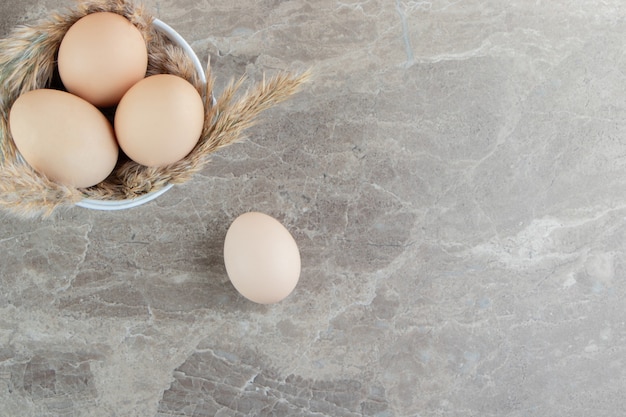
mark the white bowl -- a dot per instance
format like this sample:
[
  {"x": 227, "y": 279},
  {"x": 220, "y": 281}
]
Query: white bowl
[{"x": 109, "y": 205}]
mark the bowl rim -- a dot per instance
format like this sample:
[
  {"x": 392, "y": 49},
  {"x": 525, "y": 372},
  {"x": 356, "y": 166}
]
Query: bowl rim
[{"x": 111, "y": 205}]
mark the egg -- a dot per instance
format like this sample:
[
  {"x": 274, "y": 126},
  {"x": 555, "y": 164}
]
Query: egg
[
  {"x": 63, "y": 137},
  {"x": 261, "y": 257},
  {"x": 159, "y": 120},
  {"x": 101, "y": 56}
]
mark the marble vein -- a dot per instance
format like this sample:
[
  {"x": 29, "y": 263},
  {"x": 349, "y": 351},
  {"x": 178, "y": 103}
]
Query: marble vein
[{"x": 405, "y": 34}]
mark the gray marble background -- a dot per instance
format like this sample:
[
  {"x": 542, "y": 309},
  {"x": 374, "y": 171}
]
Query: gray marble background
[{"x": 454, "y": 177}]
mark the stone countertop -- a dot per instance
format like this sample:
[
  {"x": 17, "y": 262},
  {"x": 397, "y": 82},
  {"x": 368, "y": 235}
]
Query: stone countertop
[{"x": 455, "y": 178}]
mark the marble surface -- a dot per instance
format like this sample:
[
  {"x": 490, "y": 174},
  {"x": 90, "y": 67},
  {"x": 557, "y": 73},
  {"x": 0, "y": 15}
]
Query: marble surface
[{"x": 455, "y": 177}]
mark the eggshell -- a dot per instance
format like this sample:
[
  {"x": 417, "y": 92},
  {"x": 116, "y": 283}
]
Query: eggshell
[
  {"x": 101, "y": 56},
  {"x": 261, "y": 257},
  {"x": 159, "y": 120},
  {"x": 63, "y": 137}
]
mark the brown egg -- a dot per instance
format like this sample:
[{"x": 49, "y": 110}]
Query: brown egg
[
  {"x": 101, "y": 56},
  {"x": 63, "y": 137},
  {"x": 261, "y": 257},
  {"x": 159, "y": 120}
]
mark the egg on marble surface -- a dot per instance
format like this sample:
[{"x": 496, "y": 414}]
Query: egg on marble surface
[
  {"x": 159, "y": 120},
  {"x": 63, "y": 137},
  {"x": 261, "y": 257},
  {"x": 101, "y": 56}
]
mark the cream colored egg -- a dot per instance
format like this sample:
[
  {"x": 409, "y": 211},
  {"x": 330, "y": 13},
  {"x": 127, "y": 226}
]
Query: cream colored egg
[
  {"x": 159, "y": 120},
  {"x": 101, "y": 56},
  {"x": 63, "y": 137},
  {"x": 261, "y": 257}
]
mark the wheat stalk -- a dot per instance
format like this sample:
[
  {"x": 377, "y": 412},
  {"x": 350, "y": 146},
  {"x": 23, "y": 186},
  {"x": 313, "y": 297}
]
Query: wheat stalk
[{"x": 28, "y": 194}]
